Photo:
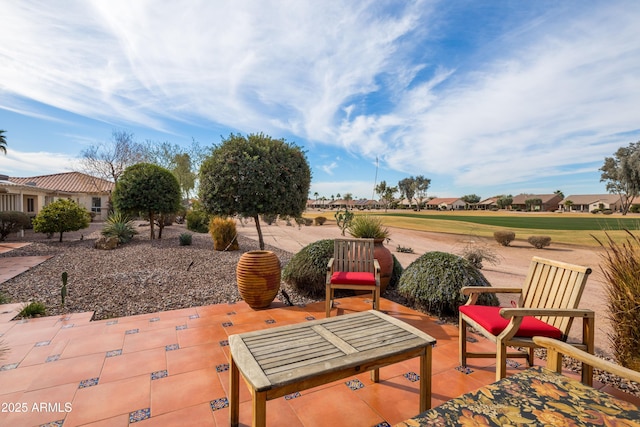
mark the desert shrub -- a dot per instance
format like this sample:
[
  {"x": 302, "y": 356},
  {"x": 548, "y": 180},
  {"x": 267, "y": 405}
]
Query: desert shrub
[
  {"x": 13, "y": 221},
  {"x": 307, "y": 270},
  {"x": 224, "y": 234},
  {"x": 504, "y": 237},
  {"x": 320, "y": 220},
  {"x": 34, "y": 309},
  {"x": 607, "y": 212},
  {"x": 307, "y": 221},
  {"x": 61, "y": 216},
  {"x": 119, "y": 225},
  {"x": 539, "y": 242},
  {"x": 396, "y": 273},
  {"x": 4, "y": 299},
  {"x": 635, "y": 208},
  {"x": 478, "y": 253},
  {"x": 433, "y": 282},
  {"x": 368, "y": 226},
  {"x": 269, "y": 219},
  {"x": 621, "y": 269},
  {"x": 185, "y": 239},
  {"x": 197, "y": 221},
  {"x": 404, "y": 249}
]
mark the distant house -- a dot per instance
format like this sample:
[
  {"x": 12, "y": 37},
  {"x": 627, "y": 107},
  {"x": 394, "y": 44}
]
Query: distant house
[
  {"x": 487, "y": 204},
  {"x": 30, "y": 194},
  {"x": 442, "y": 203},
  {"x": 591, "y": 202},
  {"x": 547, "y": 202}
]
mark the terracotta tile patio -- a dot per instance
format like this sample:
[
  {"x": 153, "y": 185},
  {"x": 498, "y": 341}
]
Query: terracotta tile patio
[{"x": 171, "y": 368}]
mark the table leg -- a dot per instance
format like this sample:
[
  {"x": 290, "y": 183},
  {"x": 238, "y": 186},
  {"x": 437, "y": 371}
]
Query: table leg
[
  {"x": 259, "y": 409},
  {"x": 425, "y": 379},
  {"x": 375, "y": 375},
  {"x": 234, "y": 393}
]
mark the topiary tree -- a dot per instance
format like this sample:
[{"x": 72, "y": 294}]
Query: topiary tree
[
  {"x": 255, "y": 175},
  {"x": 60, "y": 216},
  {"x": 11, "y": 222},
  {"x": 150, "y": 189},
  {"x": 434, "y": 280}
]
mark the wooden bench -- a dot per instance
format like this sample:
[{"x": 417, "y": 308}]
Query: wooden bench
[{"x": 280, "y": 361}]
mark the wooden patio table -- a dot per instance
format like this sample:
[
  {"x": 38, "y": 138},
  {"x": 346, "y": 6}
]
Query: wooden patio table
[{"x": 280, "y": 361}]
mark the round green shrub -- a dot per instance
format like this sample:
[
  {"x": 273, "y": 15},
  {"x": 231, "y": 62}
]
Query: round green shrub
[
  {"x": 197, "y": 221},
  {"x": 319, "y": 220},
  {"x": 433, "y": 282},
  {"x": 185, "y": 239},
  {"x": 119, "y": 225},
  {"x": 307, "y": 270},
  {"x": 34, "y": 309},
  {"x": 504, "y": 237}
]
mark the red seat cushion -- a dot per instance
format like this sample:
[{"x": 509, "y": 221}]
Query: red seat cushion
[
  {"x": 353, "y": 278},
  {"x": 489, "y": 318}
]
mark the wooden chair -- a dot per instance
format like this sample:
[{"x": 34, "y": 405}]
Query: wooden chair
[
  {"x": 353, "y": 267},
  {"x": 547, "y": 305}
]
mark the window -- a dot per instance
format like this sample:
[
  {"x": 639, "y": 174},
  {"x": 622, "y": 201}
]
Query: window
[
  {"x": 96, "y": 205},
  {"x": 31, "y": 205}
]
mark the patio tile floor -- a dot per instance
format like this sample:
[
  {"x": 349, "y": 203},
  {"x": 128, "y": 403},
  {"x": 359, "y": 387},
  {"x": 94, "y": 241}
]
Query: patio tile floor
[{"x": 171, "y": 368}]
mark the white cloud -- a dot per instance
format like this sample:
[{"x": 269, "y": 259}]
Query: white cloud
[
  {"x": 328, "y": 168},
  {"x": 21, "y": 164}
]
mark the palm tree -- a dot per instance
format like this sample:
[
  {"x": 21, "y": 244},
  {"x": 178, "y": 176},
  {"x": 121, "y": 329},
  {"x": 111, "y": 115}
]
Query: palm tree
[{"x": 3, "y": 142}]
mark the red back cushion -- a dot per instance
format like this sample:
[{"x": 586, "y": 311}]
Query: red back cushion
[
  {"x": 353, "y": 278},
  {"x": 489, "y": 318}
]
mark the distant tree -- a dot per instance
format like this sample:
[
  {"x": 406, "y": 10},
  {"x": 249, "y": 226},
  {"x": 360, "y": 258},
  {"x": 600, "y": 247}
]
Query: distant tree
[
  {"x": 568, "y": 204},
  {"x": 622, "y": 174},
  {"x": 3, "y": 142},
  {"x": 253, "y": 176},
  {"x": 559, "y": 193},
  {"x": 470, "y": 199},
  {"x": 184, "y": 173},
  {"x": 387, "y": 194},
  {"x": 61, "y": 216},
  {"x": 504, "y": 201},
  {"x": 109, "y": 160},
  {"x": 407, "y": 188},
  {"x": 531, "y": 204},
  {"x": 147, "y": 188},
  {"x": 348, "y": 197},
  {"x": 421, "y": 186}
]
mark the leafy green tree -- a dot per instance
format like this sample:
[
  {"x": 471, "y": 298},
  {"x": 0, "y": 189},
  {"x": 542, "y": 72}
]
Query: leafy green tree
[
  {"x": 60, "y": 216},
  {"x": 533, "y": 204},
  {"x": 504, "y": 201},
  {"x": 470, "y": 199},
  {"x": 184, "y": 173},
  {"x": 407, "y": 188},
  {"x": 421, "y": 185},
  {"x": 11, "y": 222},
  {"x": 3, "y": 142},
  {"x": 387, "y": 194},
  {"x": 559, "y": 193},
  {"x": 255, "y": 175},
  {"x": 622, "y": 174},
  {"x": 149, "y": 189}
]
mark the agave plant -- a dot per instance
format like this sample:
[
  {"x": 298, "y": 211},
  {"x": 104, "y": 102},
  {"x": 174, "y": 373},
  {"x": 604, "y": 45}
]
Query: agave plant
[{"x": 121, "y": 226}]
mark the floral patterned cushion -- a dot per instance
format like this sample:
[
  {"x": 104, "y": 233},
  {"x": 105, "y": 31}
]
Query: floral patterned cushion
[{"x": 535, "y": 397}]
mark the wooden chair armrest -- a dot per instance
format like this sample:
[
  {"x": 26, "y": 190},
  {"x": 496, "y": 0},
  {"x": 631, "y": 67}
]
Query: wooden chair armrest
[
  {"x": 376, "y": 266},
  {"x": 556, "y": 348},
  {"x": 508, "y": 313},
  {"x": 330, "y": 265},
  {"x": 468, "y": 290}
]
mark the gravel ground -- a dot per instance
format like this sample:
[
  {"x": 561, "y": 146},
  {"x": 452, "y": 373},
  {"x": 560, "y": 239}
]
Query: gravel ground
[{"x": 146, "y": 276}]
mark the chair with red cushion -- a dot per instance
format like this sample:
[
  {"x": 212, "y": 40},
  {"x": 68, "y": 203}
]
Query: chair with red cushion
[
  {"x": 353, "y": 267},
  {"x": 547, "y": 305}
]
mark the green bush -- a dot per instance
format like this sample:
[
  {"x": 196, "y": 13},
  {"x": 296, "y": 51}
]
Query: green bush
[
  {"x": 433, "y": 282},
  {"x": 539, "y": 242},
  {"x": 504, "y": 237},
  {"x": 320, "y": 220},
  {"x": 635, "y": 208},
  {"x": 120, "y": 226},
  {"x": 307, "y": 270},
  {"x": 197, "y": 221},
  {"x": 4, "y": 299},
  {"x": 185, "y": 239},
  {"x": 12, "y": 222},
  {"x": 34, "y": 309},
  {"x": 269, "y": 219},
  {"x": 224, "y": 234},
  {"x": 396, "y": 273},
  {"x": 368, "y": 226},
  {"x": 61, "y": 216}
]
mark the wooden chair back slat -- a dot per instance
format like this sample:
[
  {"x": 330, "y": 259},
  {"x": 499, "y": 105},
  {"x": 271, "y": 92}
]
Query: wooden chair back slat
[
  {"x": 353, "y": 255},
  {"x": 554, "y": 284}
]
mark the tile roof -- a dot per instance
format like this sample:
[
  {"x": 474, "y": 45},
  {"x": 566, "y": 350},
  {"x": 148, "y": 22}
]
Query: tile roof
[
  {"x": 72, "y": 182},
  {"x": 586, "y": 199}
]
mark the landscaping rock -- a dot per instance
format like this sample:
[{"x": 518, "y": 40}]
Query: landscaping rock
[{"x": 106, "y": 243}]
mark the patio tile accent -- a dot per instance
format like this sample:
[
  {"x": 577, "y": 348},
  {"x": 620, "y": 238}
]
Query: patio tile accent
[
  {"x": 132, "y": 331},
  {"x": 89, "y": 383},
  {"x": 52, "y": 358},
  {"x": 71, "y": 325},
  {"x": 292, "y": 395},
  {"x": 112, "y": 322},
  {"x": 9, "y": 366},
  {"x": 194, "y": 316},
  {"x": 231, "y": 313},
  {"x": 269, "y": 321},
  {"x": 354, "y": 384},
  {"x": 222, "y": 368},
  {"x": 383, "y": 424},
  {"x": 412, "y": 376},
  {"x": 181, "y": 327},
  {"x": 172, "y": 347},
  {"x": 154, "y": 319},
  {"x": 159, "y": 374},
  {"x": 58, "y": 423},
  {"x": 310, "y": 318},
  {"x": 471, "y": 339},
  {"x": 114, "y": 353},
  {"x": 139, "y": 415},
  {"x": 42, "y": 343},
  {"x": 224, "y": 343},
  {"x": 464, "y": 369},
  {"x": 218, "y": 404},
  {"x": 227, "y": 324},
  {"x": 513, "y": 364}
]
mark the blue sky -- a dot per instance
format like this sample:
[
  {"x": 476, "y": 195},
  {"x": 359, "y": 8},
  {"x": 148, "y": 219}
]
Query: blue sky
[{"x": 484, "y": 97}]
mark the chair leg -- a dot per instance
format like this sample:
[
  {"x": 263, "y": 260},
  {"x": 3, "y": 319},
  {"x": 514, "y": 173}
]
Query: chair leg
[
  {"x": 328, "y": 301},
  {"x": 376, "y": 298},
  {"x": 530, "y": 358},
  {"x": 501, "y": 360},
  {"x": 462, "y": 341}
]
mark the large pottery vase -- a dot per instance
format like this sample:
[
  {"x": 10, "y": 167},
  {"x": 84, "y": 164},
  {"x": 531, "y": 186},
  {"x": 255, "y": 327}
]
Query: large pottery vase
[
  {"x": 258, "y": 276},
  {"x": 385, "y": 259}
]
